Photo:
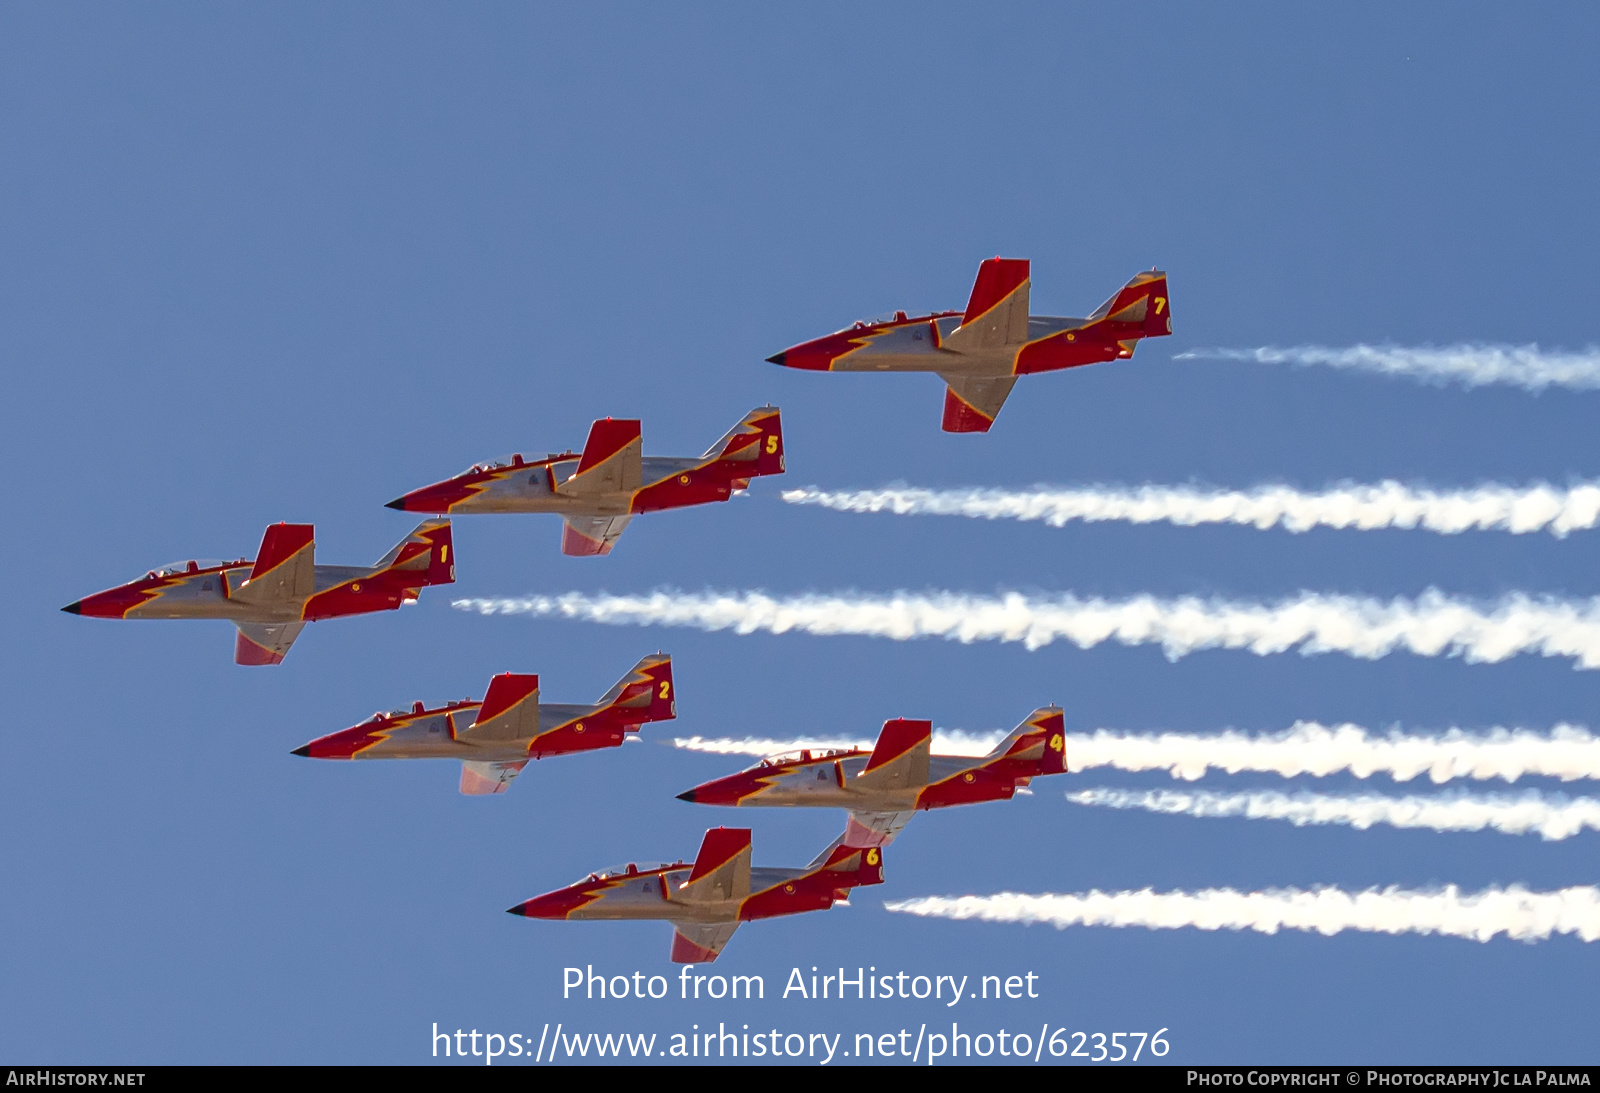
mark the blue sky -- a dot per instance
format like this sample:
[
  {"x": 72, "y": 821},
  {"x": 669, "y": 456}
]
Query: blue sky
[{"x": 285, "y": 263}]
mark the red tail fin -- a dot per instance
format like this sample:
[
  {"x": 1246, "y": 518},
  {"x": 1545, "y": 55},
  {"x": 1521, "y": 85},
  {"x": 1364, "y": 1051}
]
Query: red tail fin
[
  {"x": 1140, "y": 309},
  {"x": 997, "y": 279},
  {"x": 756, "y": 444},
  {"x": 852, "y": 866},
  {"x": 428, "y": 548},
  {"x": 646, "y": 691}
]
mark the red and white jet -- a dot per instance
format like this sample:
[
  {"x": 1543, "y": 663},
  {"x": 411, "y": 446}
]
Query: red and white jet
[
  {"x": 707, "y": 901},
  {"x": 271, "y": 598},
  {"x": 980, "y": 352},
  {"x": 599, "y": 491},
  {"x": 884, "y": 789},
  {"x": 495, "y": 738}
]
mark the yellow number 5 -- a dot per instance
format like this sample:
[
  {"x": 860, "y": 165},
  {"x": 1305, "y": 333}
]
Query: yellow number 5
[{"x": 772, "y": 444}]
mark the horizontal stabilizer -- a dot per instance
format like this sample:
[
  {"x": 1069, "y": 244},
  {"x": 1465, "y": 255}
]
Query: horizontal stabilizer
[
  {"x": 900, "y": 759},
  {"x": 971, "y": 403},
  {"x": 612, "y": 461},
  {"x": 721, "y": 869},
  {"x": 510, "y": 711},
  {"x": 483, "y": 779},
  {"x": 584, "y": 536},
  {"x": 259, "y": 643},
  {"x": 700, "y": 942},
  {"x": 285, "y": 569}
]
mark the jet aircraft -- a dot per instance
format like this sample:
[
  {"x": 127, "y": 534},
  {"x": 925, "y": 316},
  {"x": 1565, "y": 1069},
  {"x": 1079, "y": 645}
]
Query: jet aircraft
[
  {"x": 599, "y": 491},
  {"x": 271, "y": 598},
  {"x": 707, "y": 901},
  {"x": 495, "y": 738},
  {"x": 884, "y": 789},
  {"x": 980, "y": 352}
]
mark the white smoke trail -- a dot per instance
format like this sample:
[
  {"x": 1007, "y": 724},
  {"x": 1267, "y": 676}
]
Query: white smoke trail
[
  {"x": 1516, "y": 912},
  {"x": 1431, "y": 625},
  {"x": 1568, "y": 752},
  {"x": 1553, "y": 818},
  {"x": 1525, "y": 366},
  {"x": 944, "y": 743},
  {"x": 1388, "y": 504}
]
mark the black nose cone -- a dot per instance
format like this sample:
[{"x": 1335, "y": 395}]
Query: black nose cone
[
  {"x": 397, "y": 503},
  {"x": 776, "y": 358},
  {"x": 687, "y": 795},
  {"x": 302, "y": 751},
  {"x": 74, "y": 608}
]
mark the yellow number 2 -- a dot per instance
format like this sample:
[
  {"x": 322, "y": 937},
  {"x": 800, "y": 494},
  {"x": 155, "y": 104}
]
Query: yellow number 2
[{"x": 666, "y": 689}]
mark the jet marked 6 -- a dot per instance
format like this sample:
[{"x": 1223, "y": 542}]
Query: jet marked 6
[
  {"x": 981, "y": 351},
  {"x": 707, "y": 901},
  {"x": 884, "y": 789},
  {"x": 271, "y": 598},
  {"x": 599, "y": 491},
  {"x": 495, "y": 738}
]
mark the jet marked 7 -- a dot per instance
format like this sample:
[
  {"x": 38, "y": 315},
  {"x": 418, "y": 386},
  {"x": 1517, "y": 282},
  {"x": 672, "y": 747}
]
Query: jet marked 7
[
  {"x": 706, "y": 902},
  {"x": 980, "y": 352},
  {"x": 883, "y": 790},
  {"x": 271, "y": 598},
  {"x": 495, "y": 738},
  {"x": 599, "y": 491}
]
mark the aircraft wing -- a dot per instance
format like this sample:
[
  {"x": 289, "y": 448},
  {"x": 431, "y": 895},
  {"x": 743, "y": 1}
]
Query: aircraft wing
[
  {"x": 264, "y": 642},
  {"x": 874, "y": 828},
  {"x": 584, "y": 535},
  {"x": 700, "y": 942},
  {"x": 480, "y": 779},
  {"x": 972, "y": 402}
]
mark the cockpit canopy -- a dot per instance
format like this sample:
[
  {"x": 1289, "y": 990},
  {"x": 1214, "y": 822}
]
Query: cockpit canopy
[
  {"x": 809, "y": 755},
  {"x": 515, "y": 459},
  {"x": 900, "y": 317},
  {"x": 629, "y": 869},
  {"x": 192, "y": 565}
]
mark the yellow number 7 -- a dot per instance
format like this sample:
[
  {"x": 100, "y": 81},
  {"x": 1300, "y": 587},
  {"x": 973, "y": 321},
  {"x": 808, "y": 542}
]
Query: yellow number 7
[{"x": 1161, "y": 302}]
